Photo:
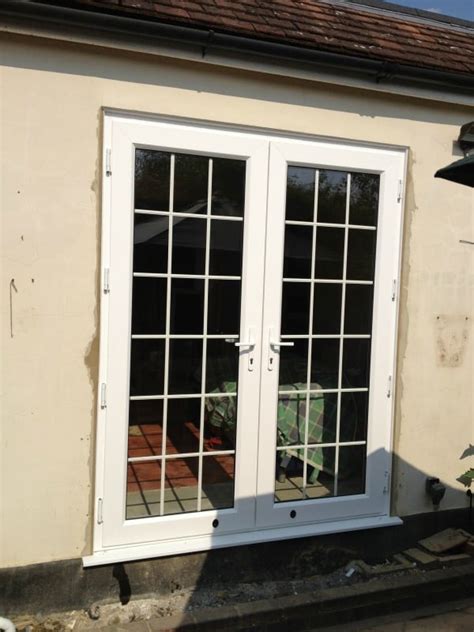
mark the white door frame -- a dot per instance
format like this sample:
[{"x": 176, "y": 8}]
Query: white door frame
[{"x": 116, "y": 539}]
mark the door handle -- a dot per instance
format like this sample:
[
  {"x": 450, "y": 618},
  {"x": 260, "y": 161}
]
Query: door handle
[
  {"x": 250, "y": 344},
  {"x": 273, "y": 343},
  {"x": 272, "y": 346}
]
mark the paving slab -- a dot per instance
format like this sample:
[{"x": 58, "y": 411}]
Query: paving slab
[{"x": 445, "y": 541}]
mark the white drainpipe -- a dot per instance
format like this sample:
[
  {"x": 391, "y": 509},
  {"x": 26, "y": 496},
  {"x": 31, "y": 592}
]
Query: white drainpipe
[{"x": 6, "y": 625}]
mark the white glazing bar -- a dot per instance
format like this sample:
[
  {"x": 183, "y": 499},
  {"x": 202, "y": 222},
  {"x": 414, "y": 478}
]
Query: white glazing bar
[
  {"x": 138, "y": 398},
  {"x": 165, "y": 275},
  {"x": 204, "y": 343},
  {"x": 341, "y": 343},
  {"x": 340, "y": 281},
  {"x": 184, "y": 455},
  {"x": 317, "y": 391},
  {"x": 313, "y": 446},
  {"x": 230, "y": 218},
  {"x": 167, "y": 332},
  {"x": 227, "y": 337},
  {"x": 324, "y": 336},
  {"x": 310, "y": 330},
  {"x": 295, "y": 222}
]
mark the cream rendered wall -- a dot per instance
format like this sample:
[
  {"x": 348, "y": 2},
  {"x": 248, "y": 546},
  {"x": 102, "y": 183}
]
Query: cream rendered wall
[{"x": 51, "y": 102}]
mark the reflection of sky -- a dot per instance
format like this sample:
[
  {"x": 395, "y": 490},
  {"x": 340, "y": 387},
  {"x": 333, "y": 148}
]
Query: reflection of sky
[
  {"x": 301, "y": 176},
  {"x": 463, "y": 9}
]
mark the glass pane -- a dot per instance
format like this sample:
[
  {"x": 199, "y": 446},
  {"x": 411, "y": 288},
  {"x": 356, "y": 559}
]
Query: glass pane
[
  {"x": 225, "y": 257},
  {"x": 143, "y": 489},
  {"x": 145, "y": 428},
  {"x": 189, "y": 246},
  {"x": 322, "y": 423},
  {"x": 295, "y": 308},
  {"x": 358, "y": 316},
  {"x": 361, "y": 255},
  {"x": 222, "y": 366},
  {"x": 289, "y": 475},
  {"x": 354, "y": 414},
  {"x": 182, "y": 428},
  {"x": 185, "y": 366},
  {"x": 332, "y": 196},
  {"x": 147, "y": 367},
  {"x": 327, "y": 308},
  {"x": 187, "y": 306},
  {"x": 291, "y": 417},
  {"x": 181, "y": 485},
  {"x": 228, "y": 187},
  {"x": 150, "y": 253},
  {"x": 329, "y": 253},
  {"x": 148, "y": 306},
  {"x": 152, "y": 180},
  {"x": 294, "y": 364},
  {"x": 300, "y": 194},
  {"x": 356, "y": 363},
  {"x": 220, "y": 422},
  {"x": 298, "y": 246},
  {"x": 190, "y": 183},
  {"x": 324, "y": 363},
  {"x": 364, "y": 202},
  {"x": 224, "y": 307},
  {"x": 218, "y": 482},
  {"x": 351, "y": 479},
  {"x": 320, "y": 472}
]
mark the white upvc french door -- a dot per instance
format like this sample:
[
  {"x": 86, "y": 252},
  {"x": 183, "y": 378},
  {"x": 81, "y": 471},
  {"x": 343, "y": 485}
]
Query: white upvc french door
[{"x": 248, "y": 321}]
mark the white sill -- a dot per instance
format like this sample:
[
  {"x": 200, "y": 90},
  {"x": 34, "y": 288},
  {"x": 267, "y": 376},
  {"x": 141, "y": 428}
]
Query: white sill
[{"x": 129, "y": 553}]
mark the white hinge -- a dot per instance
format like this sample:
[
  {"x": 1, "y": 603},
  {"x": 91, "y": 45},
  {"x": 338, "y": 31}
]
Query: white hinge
[
  {"x": 108, "y": 162},
  {"x": 386, "y": 488},
  {"x": 100, "y": 519},
  {"x": 389, "y": 386},
  {"x": 394, "y": 290},
  {"x": 106, "y": 280},
  {"x": 400, "y": 191},
  {"x": 103, "y": 396}
]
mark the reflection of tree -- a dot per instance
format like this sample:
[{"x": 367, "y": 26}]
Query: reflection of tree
[
  {"x": 152, "y": 179},
  {"x": 365, "y": 197},
  {"x": 300, "y": 191},
  {"x": 332, "y": 193}
]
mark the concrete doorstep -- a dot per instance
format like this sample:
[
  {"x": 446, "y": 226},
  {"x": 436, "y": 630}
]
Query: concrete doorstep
[{"x": 332, "y": 606}]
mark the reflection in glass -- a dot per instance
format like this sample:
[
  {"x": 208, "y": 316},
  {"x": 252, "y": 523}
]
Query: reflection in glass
[
  {"x": 185, "y": 366},
  {"x": 218, "y": 481},
  {"x": 361, "y": 255},
  {"x": 220, "y": 422},
  {"x": 143, "y": 489},
  {"x": 364, "y": 199},
  {"x": 152, "y": 180},
  {"x": 294, "y": 364},
  {"x": 329, "y": 253},
  {"x": 351, "y": 478},
  {"x": 300, "y": 194},
  {"x": 327, "y": 308},
  {"x": 189, "y": 246},
  {"x": 181, "y": 485},
  {"x": 147, "y": 367},
  {"x": 183, "y": 425},
  {"x": 148, "y": 306},
  {"x": 325, "y": 362},
  {"x": 358, "y": 316},
  {"x": 222, "y": 366},
  {"x": 298, "y": 246},
  {"x": 187, "y": 305},
  {"x": 354, "y": 414},
  {"x": 224, "y": 307},
  {"x": 356, "y": 362},
  {"x": 228, "y": 187},
  {"x": 225, "y": 257},
  {"x": 295, "y": 308},
  {"x": 190, "y": 183},
  {"x": 150, "y": 253},
  {"x": 145, "y": 428},
  {"x": 332, "y": 196}
]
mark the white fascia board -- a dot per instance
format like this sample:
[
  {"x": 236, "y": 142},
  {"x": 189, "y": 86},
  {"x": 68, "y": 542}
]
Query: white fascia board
[{"x": 236, "y": 61}]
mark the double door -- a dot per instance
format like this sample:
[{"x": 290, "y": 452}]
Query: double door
[{"x": 248, "y": 331}]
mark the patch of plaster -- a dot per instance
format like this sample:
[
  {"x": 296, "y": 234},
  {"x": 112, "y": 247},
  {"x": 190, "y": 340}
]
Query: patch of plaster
[
  {"x": 451, "y": 337},
  {"x": 403, "y": 325},
  {"x": 91, "y": 356}
]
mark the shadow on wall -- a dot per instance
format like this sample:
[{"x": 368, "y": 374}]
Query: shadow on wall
[{"x": 70, "y": 586}]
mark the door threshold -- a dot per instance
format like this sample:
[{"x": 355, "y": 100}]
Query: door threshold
[{"x": 129, "y": 553}]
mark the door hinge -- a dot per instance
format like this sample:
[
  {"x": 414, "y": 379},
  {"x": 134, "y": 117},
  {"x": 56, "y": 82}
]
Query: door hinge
[
  {"x": 394, "y": 290},
  {"x": 400, "y": 191},
  {"x": 106, "y": 280},
  {"x": 389, "y": 386},
  {"x": 386, "y": 488},
  {"x": 108, "y": 162},
  {"x": 100, "y": 519},
  {"x": 103, "y": 396}
]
